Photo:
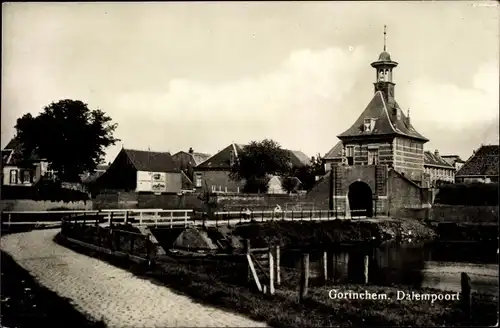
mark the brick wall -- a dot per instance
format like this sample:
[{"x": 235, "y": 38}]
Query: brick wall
[
  {"x": 403, "y": 193},
  {"x": 219, "y": 179},
  {"x": 256, "y": 202},
  {"x": 409, "y": 157}
]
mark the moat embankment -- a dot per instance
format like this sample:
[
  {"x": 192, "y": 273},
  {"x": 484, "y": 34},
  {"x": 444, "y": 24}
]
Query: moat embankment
[{"x": 316, "y": 234}]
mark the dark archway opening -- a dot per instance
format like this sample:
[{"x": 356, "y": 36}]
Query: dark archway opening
[{"x": 360, "y": 199}]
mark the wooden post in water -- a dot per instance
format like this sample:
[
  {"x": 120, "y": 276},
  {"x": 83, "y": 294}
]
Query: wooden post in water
[
  {"x": 278, "y": 274},
  {"x": 466, "y": 294},
  {"x": 304, "y": 277},
  {"x": 247, "y": 253},
  {"x": 271, "y": 271},
  {"x": 325, "y": 266},
  {"x": 365, "y": 268}
]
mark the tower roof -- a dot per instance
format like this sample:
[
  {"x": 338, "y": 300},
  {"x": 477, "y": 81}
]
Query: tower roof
[
  {"x": 384, "y": 56},
  {"x": 389, "y": 120}
]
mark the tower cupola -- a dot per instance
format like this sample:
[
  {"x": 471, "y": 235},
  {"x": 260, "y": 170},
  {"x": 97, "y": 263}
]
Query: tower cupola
[{"x": 383, "y": 67}]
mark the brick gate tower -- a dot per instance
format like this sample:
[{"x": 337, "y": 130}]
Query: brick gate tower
[{"x": 382, "y": 157}]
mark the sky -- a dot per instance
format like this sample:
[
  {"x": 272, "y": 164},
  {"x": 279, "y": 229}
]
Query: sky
[{"x": 176, "y": 75}]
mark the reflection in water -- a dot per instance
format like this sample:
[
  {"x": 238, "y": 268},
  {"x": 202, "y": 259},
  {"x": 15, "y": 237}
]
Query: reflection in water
[{"x": 436, "y": 265}]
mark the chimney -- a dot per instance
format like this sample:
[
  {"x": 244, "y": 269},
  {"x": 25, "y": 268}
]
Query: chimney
[
  {"x": 191, "y": 151},
  {"x": 436, "y": 152}
]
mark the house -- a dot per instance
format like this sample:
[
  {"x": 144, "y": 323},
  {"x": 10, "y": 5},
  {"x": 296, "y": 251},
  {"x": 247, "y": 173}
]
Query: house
[
  {"x": 482, "y": 166},
  {"x": 141, "y": 171},
  {"x": 186, "y": 161},
  {"x": 379, "y": 161},
  {"x": 333, "y": 156},
  {"x": 438, "y": 169},
  {"x": 276, "y": 185},
  {"x": 214, "y": 172},
  {"x": 454, "y": 160},
  {"x": 16, "y": 172}
]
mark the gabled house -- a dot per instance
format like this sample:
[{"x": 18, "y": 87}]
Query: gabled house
[
  {"x": 454, "y": 160},
  {"x": 482, "y": 166},
  {"x": 214, "y": 172},
  {"x": 333, "y": 156},
  {"x": 16, "y": 172},
  {"x": 186, "y": 161},
  {"x": 438, "y": 170},
  {"x": 141, "y": 171},
  {"x": 276, "y": 185}
]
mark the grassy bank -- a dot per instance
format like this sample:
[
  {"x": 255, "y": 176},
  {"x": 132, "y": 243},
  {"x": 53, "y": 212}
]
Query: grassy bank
[
  {"x": 25, "y": 303},
  {"x": 204, "y": 284},
  {"x": 312, "y": 234}
]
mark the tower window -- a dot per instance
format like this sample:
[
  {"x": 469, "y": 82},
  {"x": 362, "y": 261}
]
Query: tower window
[
  {"x": 349, "y": 154},
  {"x": 373, "y": 156}
]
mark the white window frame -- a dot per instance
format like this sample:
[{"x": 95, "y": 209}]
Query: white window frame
[
  {"x": 349, "y": 153},
  {"x": 198, "y": 179},
  {"x": 13, "y": 174},
  {"x": 373, "y": 156}
]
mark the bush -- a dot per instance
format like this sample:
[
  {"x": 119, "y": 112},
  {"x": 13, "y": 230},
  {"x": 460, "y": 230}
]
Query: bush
[{"x": 475, "y": 194}]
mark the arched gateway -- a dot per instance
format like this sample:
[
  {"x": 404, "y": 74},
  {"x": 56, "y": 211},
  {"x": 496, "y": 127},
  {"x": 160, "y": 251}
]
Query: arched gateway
[{"x": 360, "y": 199}]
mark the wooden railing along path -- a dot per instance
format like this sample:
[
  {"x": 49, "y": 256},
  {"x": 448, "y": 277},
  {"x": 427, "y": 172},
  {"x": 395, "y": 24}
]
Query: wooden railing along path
[{"x": 166, "y": 217}]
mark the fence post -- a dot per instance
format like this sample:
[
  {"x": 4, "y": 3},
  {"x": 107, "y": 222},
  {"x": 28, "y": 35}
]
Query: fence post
[
  {"x": 325, "y": 266},
  {"x": 171, "y": 219},
  {"x": 126, "y": 217},
  {"x": 304, "y": 277},
  {"x": 140, "y": 218},
  {"x": 185, "y": 219},
  {"x": 247, "y": 252},
  {"x": 466, "y": 294},
  {"x": 262, "y": 215},
  {"x": 271, "y": 271},
  {"x": 278, "y": 273},
  {"x": 365, "y": 268}
]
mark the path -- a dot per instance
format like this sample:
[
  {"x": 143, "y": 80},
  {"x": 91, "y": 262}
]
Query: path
[{"x": 108, "y": 293}]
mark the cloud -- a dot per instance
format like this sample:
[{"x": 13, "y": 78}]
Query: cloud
[
  {"x": 289, "y": 103},
  {"x": 455, "y": 107}
]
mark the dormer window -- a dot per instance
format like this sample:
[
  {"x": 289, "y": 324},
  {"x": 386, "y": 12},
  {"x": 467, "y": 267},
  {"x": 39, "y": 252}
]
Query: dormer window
[{"x": 369, "y": 124}]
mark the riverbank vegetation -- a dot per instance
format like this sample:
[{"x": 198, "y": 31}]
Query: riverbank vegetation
[{"x": 205, "y": 282}]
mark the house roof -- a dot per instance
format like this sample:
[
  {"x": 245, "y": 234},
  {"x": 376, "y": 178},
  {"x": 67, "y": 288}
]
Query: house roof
[
  {"x": 390, "y": 120},
  {"x": 452, "y": 159},
  {"x": 298, "y": 158},
  {"x": 431, "y": 159},
  {"x": 222, "y": 158},
  {"x": 484, "y": 162},
  {"x": 335, "y": 152},
  {"x": 151, "y": 161},
  {"x": 12, "y": 153},
  {"x": 200, "y": 157}
]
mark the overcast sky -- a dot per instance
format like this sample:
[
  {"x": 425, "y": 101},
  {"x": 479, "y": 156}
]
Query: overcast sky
[{"x": 203, "y": 75}]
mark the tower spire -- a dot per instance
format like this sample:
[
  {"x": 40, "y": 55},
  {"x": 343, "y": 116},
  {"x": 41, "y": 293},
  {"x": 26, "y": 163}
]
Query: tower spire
[{"x": 385, "y": 37}]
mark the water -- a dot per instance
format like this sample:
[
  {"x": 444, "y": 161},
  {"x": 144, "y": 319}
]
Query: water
[{"x": 432, "y": 265}]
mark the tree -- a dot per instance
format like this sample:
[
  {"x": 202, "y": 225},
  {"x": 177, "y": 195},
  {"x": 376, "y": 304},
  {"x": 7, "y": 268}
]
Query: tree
[
  {"x": 257, "y": 161},
  {"x": 307, "y": 174},
  {"x": 70, "y": 136}
]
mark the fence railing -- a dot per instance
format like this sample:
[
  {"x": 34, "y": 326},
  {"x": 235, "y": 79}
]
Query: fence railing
[
  {"x": 157, "y": 217},
  {"x": 170, "y": 218},
  {"x": 110, "y": 239}
]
